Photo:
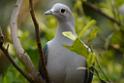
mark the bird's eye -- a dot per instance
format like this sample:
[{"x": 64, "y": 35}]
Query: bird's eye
[{"x": 62, "y": 10}]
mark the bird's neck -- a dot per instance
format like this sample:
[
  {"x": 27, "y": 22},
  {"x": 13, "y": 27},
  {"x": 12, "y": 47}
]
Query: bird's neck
[{"x": 64, "y": 27}]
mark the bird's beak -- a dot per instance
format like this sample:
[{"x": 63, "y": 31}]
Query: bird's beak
[{"x": 49, "y": 12}]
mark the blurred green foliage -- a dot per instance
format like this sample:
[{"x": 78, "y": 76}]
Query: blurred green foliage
[{"x": 104, "y": 36}]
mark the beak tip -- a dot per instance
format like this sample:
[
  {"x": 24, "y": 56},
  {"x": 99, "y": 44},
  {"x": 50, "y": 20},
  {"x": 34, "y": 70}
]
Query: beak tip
[{"x": 48, "y": 12}]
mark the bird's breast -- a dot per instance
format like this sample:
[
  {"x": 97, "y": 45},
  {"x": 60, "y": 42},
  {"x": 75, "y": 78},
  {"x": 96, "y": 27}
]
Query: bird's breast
[
  {"x": 57, "y": 60},
  {"x": 61, "y": 61}
]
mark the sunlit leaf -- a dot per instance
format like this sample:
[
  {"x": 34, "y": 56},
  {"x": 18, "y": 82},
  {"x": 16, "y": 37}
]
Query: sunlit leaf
[
  {"x": 69, "y": 35},
  {"x": 80, "y": 48}
]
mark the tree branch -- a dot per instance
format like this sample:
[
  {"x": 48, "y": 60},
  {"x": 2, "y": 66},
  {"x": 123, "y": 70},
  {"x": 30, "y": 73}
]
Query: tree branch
[
  {"x": 5, "y": 51},
  {"x": 22, "y": 55},
  {"x": 37, "y": 32},
  {"x": 97, "y": 10}
]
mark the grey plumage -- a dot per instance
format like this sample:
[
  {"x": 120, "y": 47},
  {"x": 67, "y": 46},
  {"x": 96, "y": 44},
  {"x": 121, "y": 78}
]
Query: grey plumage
[{"x": 62, "y": 63}]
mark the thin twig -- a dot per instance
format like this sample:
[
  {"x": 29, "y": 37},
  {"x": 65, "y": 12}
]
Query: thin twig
[
  {"x": 37, "y": 32},
  {"x": 97, "y": 10},
  {"x": 1, "y": 37},
  {"x": 5, "y": 51},
  {"x": 101, "y": 80},
  {"x": 106, "y": 77}
]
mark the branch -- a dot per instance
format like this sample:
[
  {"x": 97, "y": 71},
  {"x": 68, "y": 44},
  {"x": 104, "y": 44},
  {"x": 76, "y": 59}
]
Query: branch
[
  {"x": 5, "y": 51},
  {"x": 22, "y": 55},
  {"x": 97, "y": 10},
  {"x": 105, "y": 76},
  {"x": 37, "y": 32}
]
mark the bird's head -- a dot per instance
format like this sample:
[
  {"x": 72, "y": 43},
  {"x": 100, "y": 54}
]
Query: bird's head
[{"x": 60, "y": 11}]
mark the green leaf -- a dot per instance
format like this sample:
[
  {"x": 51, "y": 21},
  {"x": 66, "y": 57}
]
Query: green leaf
[
  {"x": 92, "y": 35},
  {"x": 91, "y": 59},
  {"x": 80, "y": 48},
  {"x": 91, "y": 23},
  {"x": 69, "y": 35}
]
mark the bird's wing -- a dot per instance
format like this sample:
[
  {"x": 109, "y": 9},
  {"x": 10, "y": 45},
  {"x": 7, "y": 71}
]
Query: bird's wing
[
  {"x": 89, "y": 75},
  {"x": 45, "y": 50}
]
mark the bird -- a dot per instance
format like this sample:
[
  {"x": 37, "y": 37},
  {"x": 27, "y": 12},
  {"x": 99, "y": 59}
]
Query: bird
[{"x": 61, "y": 63}]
